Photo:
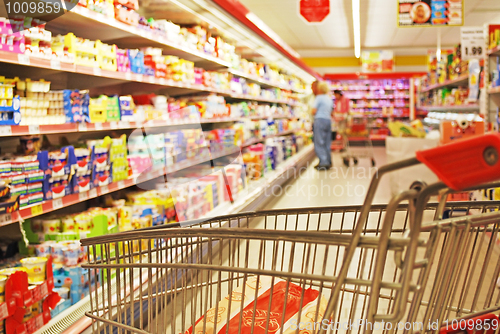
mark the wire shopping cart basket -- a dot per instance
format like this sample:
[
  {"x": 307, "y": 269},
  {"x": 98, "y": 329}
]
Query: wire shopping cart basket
[
  {"x": 358, "y": 130},
  {"x": 390, "y": 268}
]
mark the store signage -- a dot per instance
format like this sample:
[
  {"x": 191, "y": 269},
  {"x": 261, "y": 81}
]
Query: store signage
[
  {"x": 314, "y": 11},
  {"x": 430, "y": 13},
  {"x": 472, "y": 43},
  {"x": 377, "y": 61}
]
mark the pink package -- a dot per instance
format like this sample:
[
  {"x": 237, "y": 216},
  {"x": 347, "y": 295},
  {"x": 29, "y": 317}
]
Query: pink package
[{"x": 122, "y": 60}]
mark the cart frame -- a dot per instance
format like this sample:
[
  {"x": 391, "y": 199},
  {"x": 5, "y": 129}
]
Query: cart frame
[{"x": 188, "y": 261}]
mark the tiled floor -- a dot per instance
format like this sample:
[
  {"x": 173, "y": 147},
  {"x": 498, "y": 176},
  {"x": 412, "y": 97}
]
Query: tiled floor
[{"x": 339, "y": 186}]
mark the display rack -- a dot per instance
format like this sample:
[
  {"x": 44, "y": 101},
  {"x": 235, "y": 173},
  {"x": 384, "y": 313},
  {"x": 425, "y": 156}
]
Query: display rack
[
  {"x": 378, "y": 98},
  {"x": 97, "y": 80},
  {"x": 492, "y": 80}
]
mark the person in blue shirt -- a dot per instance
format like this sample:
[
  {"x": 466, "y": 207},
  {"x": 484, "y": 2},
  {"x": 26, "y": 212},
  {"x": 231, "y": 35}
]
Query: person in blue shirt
[{"x": 322, "y": 111}]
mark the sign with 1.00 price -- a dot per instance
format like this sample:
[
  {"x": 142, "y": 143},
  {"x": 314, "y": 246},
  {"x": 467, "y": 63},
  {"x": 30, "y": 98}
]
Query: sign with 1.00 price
[{"x": 472, "y": 41}]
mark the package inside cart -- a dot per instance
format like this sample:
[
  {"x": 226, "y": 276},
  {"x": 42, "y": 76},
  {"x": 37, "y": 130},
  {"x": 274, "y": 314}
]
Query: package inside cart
[{"x": 410, "y": 261}]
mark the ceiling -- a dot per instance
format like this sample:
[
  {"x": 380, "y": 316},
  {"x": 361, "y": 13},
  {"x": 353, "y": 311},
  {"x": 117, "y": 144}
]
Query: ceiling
[{"x": 334, "y": 37}]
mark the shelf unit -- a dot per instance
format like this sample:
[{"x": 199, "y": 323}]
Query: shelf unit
[
  {"x": 112, "y": 31},
  {"x": 25, "y": 60},
  {"x": 460, "y": 81},
  {"x": 59, "y": 203},
  {"x": 396, "y": 89},
  {"x": 491, "y": 102},
  {"x": 465, "y": 108}
]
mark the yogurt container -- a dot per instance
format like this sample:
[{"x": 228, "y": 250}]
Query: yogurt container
[
  {"x": 51, "y": 226},
  {"x": 43, "y": 250},
  {"x": 36, "y": 268},
  {"x": 68, "y": 224},
  {"x": 57, "y": 253},
  {"x": 3, "y": 280},
  {"x": 10, "y": 271},
  {"x": 71, "y": 255}
]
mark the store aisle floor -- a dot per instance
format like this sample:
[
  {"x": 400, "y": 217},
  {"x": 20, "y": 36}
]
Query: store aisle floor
[{"x": 339, "y": 186}]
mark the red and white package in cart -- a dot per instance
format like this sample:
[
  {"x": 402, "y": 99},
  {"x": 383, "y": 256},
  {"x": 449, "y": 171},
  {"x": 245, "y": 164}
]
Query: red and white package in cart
[{"x": 269, "y": 307}]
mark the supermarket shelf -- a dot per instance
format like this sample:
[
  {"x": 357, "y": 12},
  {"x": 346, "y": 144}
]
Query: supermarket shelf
[
  {"x": 379, "y": 98},
  {"x": 74, "y": 321},
  {"x": 261, "y": 140},
  {"x": 110, "y": 30},
  {"x": 463, "y": 79},
  {"x": 366, "y": 107},
  {"x": 494, "y": 52},
  {"x": 494, "y": 90},
  {"x": 467, "y": 108},
  {"x": 23, "y": 130},
  {"x": 260, "y": 99},
  {"x": 379, "y": 116},
  {"x": 56, "y": 204},
  {"x": 262, "y": 82},
  {"x": 368, "y": 88},
  {"x": 26, "y": 60},
  {"x": 14, "y": 58}
]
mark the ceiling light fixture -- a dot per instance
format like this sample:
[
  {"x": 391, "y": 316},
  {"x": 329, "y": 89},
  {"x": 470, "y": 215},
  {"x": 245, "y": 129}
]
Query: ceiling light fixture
[{"x": 356, "y": 22}]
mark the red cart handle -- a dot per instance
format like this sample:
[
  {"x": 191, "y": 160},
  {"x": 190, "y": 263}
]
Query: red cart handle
[{"x": 465, "y": 163}]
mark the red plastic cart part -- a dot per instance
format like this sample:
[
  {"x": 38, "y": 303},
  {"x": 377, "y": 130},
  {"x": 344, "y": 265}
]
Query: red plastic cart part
[{"x": 465, "y": 163}]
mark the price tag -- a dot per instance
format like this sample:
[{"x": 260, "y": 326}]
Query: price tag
[
  {"x": 57, "y": 203},
  {"x": 97, "y": 71},
  {"x": 5, "y": 219},
  {"x": 34, "y": 129},
  {"x": 113, "y": 125},
  {"x": 104, "y": 189},
  {"x": 128, "y": 75},
  {"x": 23, "y": 59},
  {"x": 93, "y": 192},
  {"x": 472, "y": 42},
  {"x": 98, "y": 126},
  {"x": 82, "y": 127},
  {"x": 83, "y": 196},
  {"x": 121, "y": 184},
  {"x": 123, "y": 124},
  {"x": 55, "y": 64},
  {"x": 152, "y": 79},
  {"x": 5, "y": 130},
  {"x": 138, "y": 77},
  {"x": 36, "y": 210}
]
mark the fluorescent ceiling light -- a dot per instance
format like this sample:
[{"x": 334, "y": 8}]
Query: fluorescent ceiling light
[
  {"x": 269, "y": 32},
  {"x": 357, "y": 27}
]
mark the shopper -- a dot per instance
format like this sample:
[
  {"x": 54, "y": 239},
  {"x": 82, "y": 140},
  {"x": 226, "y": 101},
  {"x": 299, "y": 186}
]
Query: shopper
[
  {"x": 341, "y": 112},
  {"x": 322, "y": 111}
]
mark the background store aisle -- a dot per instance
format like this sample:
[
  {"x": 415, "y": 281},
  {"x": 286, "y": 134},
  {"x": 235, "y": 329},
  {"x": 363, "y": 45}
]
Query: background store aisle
[{"x": 340, "y": 186}]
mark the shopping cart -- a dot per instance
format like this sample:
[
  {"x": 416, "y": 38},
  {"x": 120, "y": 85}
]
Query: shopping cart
[
  {"x": 323, "y": 269},
  {"x": 357, "y": 130}
]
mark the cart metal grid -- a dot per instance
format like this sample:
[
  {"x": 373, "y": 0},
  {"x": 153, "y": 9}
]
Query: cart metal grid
[
  {"x": 395, "y": 264},
  {"x": 357, "y": 129}
]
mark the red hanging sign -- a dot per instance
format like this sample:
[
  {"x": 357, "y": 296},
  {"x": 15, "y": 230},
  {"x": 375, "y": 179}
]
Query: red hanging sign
[{"x": 314, "y": 11}]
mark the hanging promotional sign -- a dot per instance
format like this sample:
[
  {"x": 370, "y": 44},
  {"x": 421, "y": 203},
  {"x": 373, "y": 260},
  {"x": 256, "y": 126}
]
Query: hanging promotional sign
[
  {"x": 472, "y": 43},
  {"x": 377, "y": 61},
  {"x": 314, "y": 11},
  {"x": 430, "y": 13}
]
